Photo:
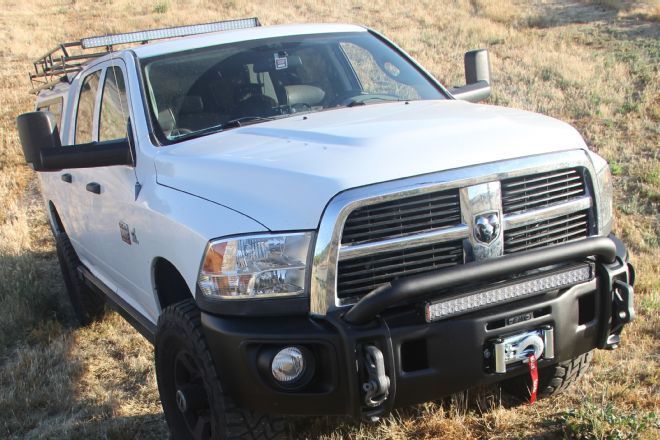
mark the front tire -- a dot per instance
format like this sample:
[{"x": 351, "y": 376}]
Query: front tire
[
  {"x": 553, "y": 380},
  {"x": 88, "y": 304},
  {"x": 191, "y": 392}
]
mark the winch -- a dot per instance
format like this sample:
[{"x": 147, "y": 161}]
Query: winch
[{"x": 519, "y": 347}]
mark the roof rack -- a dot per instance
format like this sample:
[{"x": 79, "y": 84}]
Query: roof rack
[{"x": 56, "y": 65}]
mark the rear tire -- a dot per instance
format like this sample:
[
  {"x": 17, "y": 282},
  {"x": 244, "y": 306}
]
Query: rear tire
[
  {"x": 88, "y": 304},
  {"x": 191, "y": 392},
  {"x": 553, "y": 380}
]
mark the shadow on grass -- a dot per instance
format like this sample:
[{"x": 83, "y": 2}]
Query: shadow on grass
[
  {"x": 45, "y": 378},
  {"x": 449, "y": 416}
]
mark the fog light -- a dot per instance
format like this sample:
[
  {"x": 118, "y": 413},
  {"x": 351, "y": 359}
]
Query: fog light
[{"x": 288, "y": 365}]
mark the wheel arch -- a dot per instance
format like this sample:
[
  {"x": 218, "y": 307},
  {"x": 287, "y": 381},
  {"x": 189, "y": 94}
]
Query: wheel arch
[
  {"x": 169, "y": 284},
  {"x": 55, "y": 221}
]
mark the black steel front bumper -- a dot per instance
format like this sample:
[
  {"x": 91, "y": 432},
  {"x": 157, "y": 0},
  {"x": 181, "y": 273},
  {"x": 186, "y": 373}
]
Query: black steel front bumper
[{"x": 422, "y": 360}]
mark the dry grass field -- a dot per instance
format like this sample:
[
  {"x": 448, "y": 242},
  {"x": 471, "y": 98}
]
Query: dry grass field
[{"x": 594, "y": 64}]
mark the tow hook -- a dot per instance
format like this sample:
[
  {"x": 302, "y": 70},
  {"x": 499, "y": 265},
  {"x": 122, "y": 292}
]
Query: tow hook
[{"x": 377, "y": 387}]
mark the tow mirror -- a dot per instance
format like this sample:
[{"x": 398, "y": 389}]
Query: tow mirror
[
  {"x": 477, "y": 77},
  {"x": 37, "y": 130},
  {"x": 43, "y": 151}
]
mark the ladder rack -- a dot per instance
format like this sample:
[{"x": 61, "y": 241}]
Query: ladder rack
[{"x": 56, "y": 65}]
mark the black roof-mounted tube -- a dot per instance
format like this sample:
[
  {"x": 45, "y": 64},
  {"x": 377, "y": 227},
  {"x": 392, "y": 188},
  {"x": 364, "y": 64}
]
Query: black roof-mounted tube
[{"x": 417, "y": 286}]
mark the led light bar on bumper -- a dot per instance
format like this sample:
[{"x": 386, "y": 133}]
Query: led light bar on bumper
[
  {"x": 498, "y": 295},
  {"x": 258, "y": 266}
]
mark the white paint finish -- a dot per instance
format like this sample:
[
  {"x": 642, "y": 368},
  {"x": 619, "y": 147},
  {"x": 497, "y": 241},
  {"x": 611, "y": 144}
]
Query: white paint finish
[{"x": 282, "y": 173}]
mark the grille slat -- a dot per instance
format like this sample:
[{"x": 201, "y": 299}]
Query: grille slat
[
  {"x": 404, "y": 216},
  {"x": 526, "y": 180},
  {"x": 356, "y": 263},
  {"x": 513, "y": 233},
  {"x": 386, "y": 207},
  {"x": 538, "y": 190},
  {"x": 544, "y": 201},
  {"x": 394, "y": 231},
  {"x": 359, "y": 276},
  {"x": 567, "y": 180},
  {"x": 546, "y": 191},
  {"x": 548, "y": 232},
  {"x": 424, "y": 217}
]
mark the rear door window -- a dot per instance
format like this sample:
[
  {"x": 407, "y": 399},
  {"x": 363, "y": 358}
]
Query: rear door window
[{"x": 85, "y": 114}]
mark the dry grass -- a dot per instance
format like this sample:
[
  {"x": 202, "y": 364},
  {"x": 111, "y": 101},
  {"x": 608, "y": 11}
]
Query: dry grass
[{"x": 592, "y": 63}]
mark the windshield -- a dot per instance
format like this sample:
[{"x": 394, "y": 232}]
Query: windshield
[{"x": 205, "y": 90}]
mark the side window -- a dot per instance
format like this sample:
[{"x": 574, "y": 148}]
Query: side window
[
  {"x": 373, "y": 77},
  {"x": 55, "y": 108},
  {"x": 85, "y": 115},
  {"x": 114, "y": 106}
]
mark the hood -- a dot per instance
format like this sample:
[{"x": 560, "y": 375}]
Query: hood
[{"x": 282, "y": 173}]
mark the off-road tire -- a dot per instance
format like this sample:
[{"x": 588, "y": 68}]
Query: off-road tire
[
  {"x": 180, "y": 332},
  {"x": 552, "y": 380},
  {"x": 88, "y": 304}
]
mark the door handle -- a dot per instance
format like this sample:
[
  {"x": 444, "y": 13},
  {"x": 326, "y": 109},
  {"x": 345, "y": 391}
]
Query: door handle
[
  {"x": 66, "y": 177},
  {"x": 93, "y": 187}
]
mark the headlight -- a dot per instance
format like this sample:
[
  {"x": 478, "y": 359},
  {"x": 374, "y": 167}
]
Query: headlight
[
  {"x": 255, "y": 266},
  {"x": 604, "y": 193}
]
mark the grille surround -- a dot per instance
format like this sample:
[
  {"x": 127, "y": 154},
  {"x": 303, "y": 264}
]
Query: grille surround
[{"x": 328, "y": 249}]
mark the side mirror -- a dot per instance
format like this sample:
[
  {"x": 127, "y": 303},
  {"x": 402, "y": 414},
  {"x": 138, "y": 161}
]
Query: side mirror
[
  {"x": 477, "y": 77},
  {"x": 43, "y": 151},
  {"x": 37, "y": 130}
]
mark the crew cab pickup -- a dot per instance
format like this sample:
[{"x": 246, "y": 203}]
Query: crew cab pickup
[{"x": 304, "y": 221}]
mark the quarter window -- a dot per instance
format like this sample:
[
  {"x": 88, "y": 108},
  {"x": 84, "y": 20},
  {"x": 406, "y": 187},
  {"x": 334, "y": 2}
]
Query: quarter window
[
  {"x": 85, "y": 115},
  {"x": 114, "y": 106}
]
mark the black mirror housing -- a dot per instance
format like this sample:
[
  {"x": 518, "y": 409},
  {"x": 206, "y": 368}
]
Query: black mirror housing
[
  {"x": 37, "y": 131},
  {"x": 43, "y": 151},
  {"x": 477, "y": 77}
]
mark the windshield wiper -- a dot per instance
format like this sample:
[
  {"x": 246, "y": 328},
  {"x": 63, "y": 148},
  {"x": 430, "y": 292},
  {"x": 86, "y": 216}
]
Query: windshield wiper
[
  {"x": 370, "y": 99},
  {"x": 245, "y": 120},
  {"x": 232, "y": 123}
]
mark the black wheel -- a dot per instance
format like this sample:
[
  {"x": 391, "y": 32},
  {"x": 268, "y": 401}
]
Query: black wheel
[
  {"x": 191, "y": 392},
  {"x": 88, "y": 304},
  {"x": 552, "y": 380}
]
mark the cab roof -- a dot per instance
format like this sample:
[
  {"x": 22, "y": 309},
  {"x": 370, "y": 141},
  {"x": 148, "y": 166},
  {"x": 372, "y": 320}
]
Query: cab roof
[{"x": 236, "y": 36}]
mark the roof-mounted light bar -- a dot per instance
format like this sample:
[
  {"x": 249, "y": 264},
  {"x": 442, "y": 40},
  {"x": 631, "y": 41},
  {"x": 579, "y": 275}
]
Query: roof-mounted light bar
[{"x": 179, "y": 31}]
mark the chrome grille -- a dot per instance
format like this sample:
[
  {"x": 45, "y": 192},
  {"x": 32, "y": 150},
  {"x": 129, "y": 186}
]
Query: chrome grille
[
  {"x": 539, "y": 190},
  {"x": 359, "y": 276},
  {"x": 403, "y": 216},
  {"x": 548, "y": 232}
]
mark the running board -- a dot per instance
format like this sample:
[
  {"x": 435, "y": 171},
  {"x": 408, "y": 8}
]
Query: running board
[{"x": 128, "y": 312}]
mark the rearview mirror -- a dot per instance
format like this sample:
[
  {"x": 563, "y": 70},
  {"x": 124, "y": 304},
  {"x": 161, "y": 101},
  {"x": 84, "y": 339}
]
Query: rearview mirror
[
  {"x": 477, "y": 77},
  {"x": 43, "y": 151}
]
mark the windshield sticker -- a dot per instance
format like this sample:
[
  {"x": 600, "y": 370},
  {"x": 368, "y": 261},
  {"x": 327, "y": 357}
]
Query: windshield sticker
[{"x": 281, "y": 62}]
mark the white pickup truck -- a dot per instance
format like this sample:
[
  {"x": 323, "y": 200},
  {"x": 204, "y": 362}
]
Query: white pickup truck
[{"x": 304, "y": 221}]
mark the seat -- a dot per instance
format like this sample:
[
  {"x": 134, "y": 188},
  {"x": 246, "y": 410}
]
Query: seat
[{"x": 191, "y": 114}]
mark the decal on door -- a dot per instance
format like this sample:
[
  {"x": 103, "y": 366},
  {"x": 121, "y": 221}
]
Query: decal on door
[{"x": 125, "y": 233}]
